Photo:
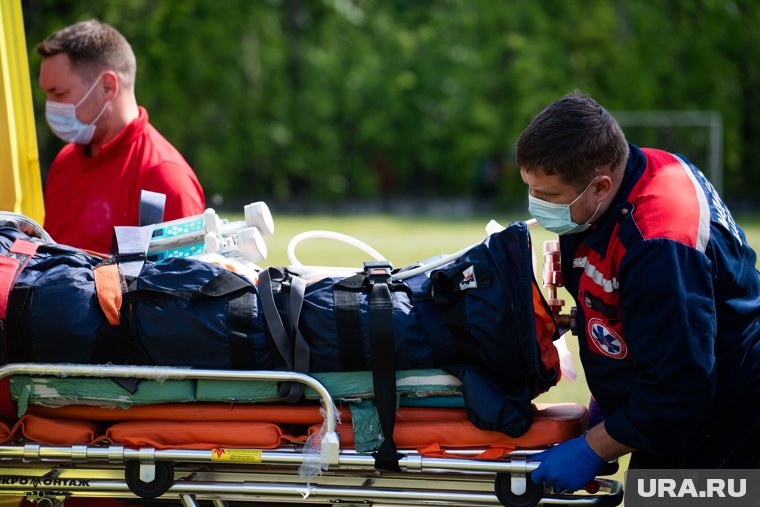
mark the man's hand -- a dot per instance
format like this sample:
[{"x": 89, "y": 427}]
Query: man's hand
[{"x": 568, "y": 466}]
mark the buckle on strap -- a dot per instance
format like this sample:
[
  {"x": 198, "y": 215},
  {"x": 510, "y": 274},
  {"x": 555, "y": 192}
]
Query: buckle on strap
[{"x": 378, "y": 271}]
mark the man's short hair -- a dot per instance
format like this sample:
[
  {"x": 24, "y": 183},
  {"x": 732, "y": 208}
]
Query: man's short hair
[
  {"x": 93, "y": 47},
  {"x": 573, "y": 137}
]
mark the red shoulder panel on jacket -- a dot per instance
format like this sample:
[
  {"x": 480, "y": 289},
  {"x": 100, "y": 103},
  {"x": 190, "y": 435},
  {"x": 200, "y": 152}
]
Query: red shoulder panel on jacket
[{"x": 668, "y": 201}]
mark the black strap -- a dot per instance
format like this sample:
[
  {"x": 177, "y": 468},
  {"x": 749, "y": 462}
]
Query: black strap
[
  {"x": 128, "y": 384},
  {"x": 240, "y": 329},
  {"x": 276, "y": 328},
  {"x": 348, "y": 325},
  {"x": 356, "y": 282},
  {"x": 223, "y": 284},
  {"x": 18, "y": 342},
  {"x": 130, "y": 345},
  {"x": 278, "y": 332},
  {"x": 383, "y": 363},
  {"x": 300, "y": 347},
  {"x": 109, "y": 345}
]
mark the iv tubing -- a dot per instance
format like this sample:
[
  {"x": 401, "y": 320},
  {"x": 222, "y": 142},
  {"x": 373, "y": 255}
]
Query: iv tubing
[{"x": 329, "y": 235}]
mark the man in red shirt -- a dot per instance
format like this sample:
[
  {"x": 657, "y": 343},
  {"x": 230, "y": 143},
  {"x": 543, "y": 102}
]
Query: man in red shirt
[{"x": 88, "y": 74}]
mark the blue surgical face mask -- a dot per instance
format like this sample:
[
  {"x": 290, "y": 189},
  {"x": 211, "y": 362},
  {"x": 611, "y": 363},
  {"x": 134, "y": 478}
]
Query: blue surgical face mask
[
  {"x": 63, "y": 121},
  {"x": 556, "y": 217}
]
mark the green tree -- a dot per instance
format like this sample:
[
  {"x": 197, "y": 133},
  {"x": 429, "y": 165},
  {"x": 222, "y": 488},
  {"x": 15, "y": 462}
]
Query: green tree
[{"x": 336, "y": 99}]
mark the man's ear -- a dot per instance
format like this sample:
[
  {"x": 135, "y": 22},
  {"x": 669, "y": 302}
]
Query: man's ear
[
  {"x": 110, "y": 84},
  {"x": 602, "y": 185}
]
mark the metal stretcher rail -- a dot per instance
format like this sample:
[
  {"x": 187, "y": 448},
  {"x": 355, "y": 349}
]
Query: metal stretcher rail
[
  {"x": 317, "y": 494},
  {"x": 160, "y": 373},
  {"x": 330, "y": 442},
  {"x": 54, "y": 472},
  {"x": 120, "y": 454}
]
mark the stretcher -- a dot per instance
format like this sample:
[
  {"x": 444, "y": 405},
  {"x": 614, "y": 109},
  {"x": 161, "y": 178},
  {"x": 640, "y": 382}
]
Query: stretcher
[
  {"x": 200, "y": 436},
  {"x": 241, "y": 454}
]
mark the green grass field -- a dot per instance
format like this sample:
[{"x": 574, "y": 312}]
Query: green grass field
[
  {"x": 401, "y": 239},
  {"x": 405, "y": 240}
]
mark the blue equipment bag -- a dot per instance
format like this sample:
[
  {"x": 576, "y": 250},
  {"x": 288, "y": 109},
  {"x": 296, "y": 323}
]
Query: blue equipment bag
[
  {"x": 488, "y": 330},
  {"x": 480, "y": 317},
  {"x": 182, "y": 312},
  {"x": 61, "y": 322},
  {"x": 185, "y": 312},
  {"x": 363, "y": 322},
  {"x": 334, "y": 319}
]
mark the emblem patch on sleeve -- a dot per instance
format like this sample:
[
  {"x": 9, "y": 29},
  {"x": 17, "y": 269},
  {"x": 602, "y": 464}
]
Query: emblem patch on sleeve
[{"x": 605, "y": 340}]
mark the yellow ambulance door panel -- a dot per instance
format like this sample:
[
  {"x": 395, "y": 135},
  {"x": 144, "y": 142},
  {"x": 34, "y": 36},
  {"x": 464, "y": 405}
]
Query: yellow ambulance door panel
[{"x": 20, "y": 181}]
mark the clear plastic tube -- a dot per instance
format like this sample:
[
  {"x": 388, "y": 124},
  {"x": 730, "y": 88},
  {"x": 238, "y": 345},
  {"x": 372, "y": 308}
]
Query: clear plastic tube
[
  {"x": 492, "y": 227},
  {"x": 337, "y": 236}
]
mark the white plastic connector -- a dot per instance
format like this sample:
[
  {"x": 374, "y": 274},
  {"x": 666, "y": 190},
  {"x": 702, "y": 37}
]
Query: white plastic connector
[
  {"x": 330, "y": 448},
  {"x": 257, "y": 215},
  {"x": 246, "y": 243},
  {"x": 214, "y": 243},
  {"x": 211, "y": 221},
  {"x": 251, "y": 244}
]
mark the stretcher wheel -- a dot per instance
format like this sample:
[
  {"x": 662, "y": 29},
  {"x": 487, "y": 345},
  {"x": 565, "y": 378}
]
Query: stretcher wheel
[
  {"x": 155, "y": 488},
  {"x": 503, "y": 489}
]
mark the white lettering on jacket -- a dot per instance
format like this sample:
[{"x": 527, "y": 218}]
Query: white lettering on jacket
[{"x": 722, "y": 214}]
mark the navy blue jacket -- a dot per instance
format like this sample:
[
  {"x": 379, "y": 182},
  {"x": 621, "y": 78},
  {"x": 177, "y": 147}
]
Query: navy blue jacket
[{"x": 668, "y": 300}]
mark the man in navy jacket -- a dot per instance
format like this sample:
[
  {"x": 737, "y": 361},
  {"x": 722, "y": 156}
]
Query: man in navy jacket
[{"x": 667, "y": 292}]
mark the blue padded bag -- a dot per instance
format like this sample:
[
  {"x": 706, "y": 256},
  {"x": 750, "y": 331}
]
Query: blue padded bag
[
  {"x": 318, "y": 319},
  {"x": 186, "y": 312},
  {"x": 53, "y": 313},
  {"x": 334, "y": 322},
  {"x": 181, "y": 312},
  {"x": 479, "y": 314}
]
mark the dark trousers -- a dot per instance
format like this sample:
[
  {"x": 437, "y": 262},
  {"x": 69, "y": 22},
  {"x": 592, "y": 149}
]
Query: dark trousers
[{"x": 733, "y": 442}]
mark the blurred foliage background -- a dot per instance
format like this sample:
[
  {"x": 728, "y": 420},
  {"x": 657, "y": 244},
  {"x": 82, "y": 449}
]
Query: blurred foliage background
[{"x": 323, "y": 101}]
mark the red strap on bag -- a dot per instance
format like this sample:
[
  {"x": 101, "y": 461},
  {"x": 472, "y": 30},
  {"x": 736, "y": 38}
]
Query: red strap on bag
[
  {"x": 11, "y": 266},
  {"x": 108, "y": 287},
  {"x": 8, "y": 268}
]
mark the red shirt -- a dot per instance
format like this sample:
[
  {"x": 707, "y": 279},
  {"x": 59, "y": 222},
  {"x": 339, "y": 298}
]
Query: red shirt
[{"x": 85, "y": 197}]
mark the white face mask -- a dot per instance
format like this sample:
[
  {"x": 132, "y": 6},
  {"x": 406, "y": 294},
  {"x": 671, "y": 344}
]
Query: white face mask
[
  {"x": 63, "y": 121},
  {"x": 556, "y": 217}
]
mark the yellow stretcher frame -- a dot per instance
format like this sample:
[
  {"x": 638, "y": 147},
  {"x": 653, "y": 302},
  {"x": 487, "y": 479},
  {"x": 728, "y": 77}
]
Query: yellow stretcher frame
[{"x": 20, "y": 181}]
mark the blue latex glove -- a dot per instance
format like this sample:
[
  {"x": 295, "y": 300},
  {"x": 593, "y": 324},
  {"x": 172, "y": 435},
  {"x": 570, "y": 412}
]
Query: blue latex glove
[{"x": 567, "y": 466}]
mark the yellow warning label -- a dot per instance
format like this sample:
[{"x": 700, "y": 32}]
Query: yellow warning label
[{"x": 239, "y": 455}]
